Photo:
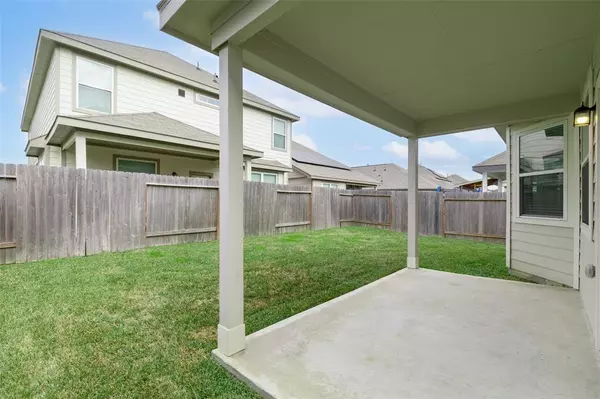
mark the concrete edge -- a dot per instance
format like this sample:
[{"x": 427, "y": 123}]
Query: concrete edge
[
  {"x": 229, "y": 364},
  {"x": 324, "y": 305},
  {"x": 541, "y": 285}
]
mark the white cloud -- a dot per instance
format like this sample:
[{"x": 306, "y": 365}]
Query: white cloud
[
  {"x": 400, "y": 150},
  {"x": 286, "y": 98},
  {"x": 305, "y": 140},
  {"x": 480, "y": 136},
  {"x": 152, "y": 16},
  {"x": 2, "y": 88},
  {"x": 436, "y": 150}
]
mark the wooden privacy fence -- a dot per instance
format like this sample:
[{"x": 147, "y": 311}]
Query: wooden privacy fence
[
  {"x": 474, "y": 215},
  {"x": 49, "y": 212}
]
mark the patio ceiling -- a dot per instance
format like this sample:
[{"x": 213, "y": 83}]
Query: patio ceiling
[{"x": 412, "y": 68}]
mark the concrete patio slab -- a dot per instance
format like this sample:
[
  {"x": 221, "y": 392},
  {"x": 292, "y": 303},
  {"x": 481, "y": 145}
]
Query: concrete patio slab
[{"x": 428, "y": 334}]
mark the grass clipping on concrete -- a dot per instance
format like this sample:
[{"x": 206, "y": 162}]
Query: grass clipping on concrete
[{"x": 143, "y": 323}]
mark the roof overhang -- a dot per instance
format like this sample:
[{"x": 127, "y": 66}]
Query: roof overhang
[
  {"x": 35, "y": 147},
  {"x": 412, "y": 68},
  {"x": 64, "y": 127}
]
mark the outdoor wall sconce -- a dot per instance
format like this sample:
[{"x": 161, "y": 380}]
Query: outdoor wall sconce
[{"x": 583, "y": 115}]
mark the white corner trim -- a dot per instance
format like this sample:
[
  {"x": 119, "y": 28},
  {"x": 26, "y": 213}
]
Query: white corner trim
[{"x": 412, "y": 262}]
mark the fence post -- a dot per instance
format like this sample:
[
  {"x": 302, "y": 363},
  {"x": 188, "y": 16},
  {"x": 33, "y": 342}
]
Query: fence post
[{"x": 444, "y": 215}]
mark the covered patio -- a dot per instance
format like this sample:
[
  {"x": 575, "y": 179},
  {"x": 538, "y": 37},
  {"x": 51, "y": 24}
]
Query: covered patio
[
  {"x": 417, "y": 70},
  {"x": 427, "y": 334}
]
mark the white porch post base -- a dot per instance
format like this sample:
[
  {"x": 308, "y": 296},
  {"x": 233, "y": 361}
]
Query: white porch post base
[
  {"x": 412, "y": 262},
  {"x": 231, "y": 341}
]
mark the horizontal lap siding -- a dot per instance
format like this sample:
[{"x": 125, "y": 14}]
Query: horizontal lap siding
[
  {"x": 544, "y": 251},
  {"x": 45, "y": 111}
]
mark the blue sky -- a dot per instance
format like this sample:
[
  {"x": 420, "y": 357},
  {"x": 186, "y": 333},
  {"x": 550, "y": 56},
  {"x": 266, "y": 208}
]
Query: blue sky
[{"x": 331, "y": 132}]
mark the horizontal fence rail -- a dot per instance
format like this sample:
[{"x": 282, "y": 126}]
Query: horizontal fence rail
[{"x": 51, "y": 212}]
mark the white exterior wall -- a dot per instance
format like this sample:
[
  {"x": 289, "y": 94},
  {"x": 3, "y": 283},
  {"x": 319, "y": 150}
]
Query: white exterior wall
[
  {"x": 53, "y": 155},
  {"x": 299, "y": 180},
  {"x": 138, "y": 92},
  {"x": 47, "y": 106},
  {"x": 544, "y": 247},
  {"x": 103, "y": 158}
]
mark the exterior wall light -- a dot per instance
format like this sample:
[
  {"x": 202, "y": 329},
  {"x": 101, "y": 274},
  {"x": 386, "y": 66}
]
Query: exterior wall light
[{"x": 583, "y": 115}]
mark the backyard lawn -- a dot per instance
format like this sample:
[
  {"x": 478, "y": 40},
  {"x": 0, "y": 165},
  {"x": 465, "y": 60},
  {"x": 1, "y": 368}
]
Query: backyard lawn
[{"x": 143, "y": 323}]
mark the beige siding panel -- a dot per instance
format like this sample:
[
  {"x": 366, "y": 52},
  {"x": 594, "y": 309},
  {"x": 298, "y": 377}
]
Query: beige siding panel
[
  {"x": 547, "y": 261},
  {"x": 54, "y": 156},
  {"x": 544, "y": 240},
  {"x": 548, "y": 274},
  {"x": 565, "y": 255},
  {"x": 258, "y": 135},
  {"x": 565, "y": 232},
  {"x": 45, "y": 111},
  {"x": 299, "y": 180},
  {"x": 138, "y": 92},
  {"x": 103, "y": 158}
]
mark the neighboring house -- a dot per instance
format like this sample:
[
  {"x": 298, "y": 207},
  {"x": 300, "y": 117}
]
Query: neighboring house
[
  {"x": 493, "y": 168},
  {"x": 477, "y": 185},
  {"x": 456, "y": 179},
  {"x": 99, "y": 104},
  {"x": 390, "y": 176},
  {"x": 313, "y": 168}
]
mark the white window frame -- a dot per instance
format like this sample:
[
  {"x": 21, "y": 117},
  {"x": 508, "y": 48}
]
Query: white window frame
[
  {"x": 262, "y": 176},
  {"x": 119, "y": 158},
  {"x": 330, "y": 185},
  {"x": 205, "y": 103},
  {"x": 586, "y": 159},
  {"x": 516, "y": 174},
  {"x": 112, "y": 86},
  {"x": 285, "y": 134}
]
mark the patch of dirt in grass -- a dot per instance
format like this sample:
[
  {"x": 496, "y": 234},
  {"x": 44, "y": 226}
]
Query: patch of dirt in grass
[
  {"x": 206, "y": 333},
  {"x": 256, "y": 303}
]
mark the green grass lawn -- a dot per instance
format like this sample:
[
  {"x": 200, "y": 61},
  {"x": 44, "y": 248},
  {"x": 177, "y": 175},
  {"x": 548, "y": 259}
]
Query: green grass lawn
[{"x": 143, "y": 323}]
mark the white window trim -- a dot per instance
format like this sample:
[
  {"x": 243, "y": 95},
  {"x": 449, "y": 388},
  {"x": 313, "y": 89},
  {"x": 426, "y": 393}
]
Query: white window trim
[
  {"x": 285, "y": 134},
  {"x": 330, "y": 185},
  {"x": 117, "y": 159},
  {"x": 197, "y": 93},
  {"x": 112, "y": 87},
  {"x": 540, "y": 220},
  {"x": 262, "y": 176}
]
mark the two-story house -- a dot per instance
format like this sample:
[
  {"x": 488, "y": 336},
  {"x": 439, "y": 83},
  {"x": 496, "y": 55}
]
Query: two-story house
[{"x": 99, "y": 104}]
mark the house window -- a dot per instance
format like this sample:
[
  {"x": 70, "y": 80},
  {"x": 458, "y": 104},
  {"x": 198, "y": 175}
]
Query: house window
[
  {"x": 181, "y": 92},
  {"x": 95, "y": 82},
  {"x": 206, "y": 100},
  {"x": 585, "y": 174},
  {"x": 201, "y": 175},
  {"x": 149, "y": 166},
  {"x": 264, "y": 177},
  {"x": 541, "y": 173},
  {"x": 279, "y": 140},
  {"x": 330, "y": 185}
]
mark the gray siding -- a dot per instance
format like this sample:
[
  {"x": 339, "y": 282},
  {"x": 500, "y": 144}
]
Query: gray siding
[{"x": 47, "y": 106}]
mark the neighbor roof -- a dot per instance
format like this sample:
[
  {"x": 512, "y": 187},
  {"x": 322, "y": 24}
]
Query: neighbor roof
[
  {"x": 144, "y": 123},
  {"x": 153, "y": 61},
  {"x": 318, "y": 166},
  {"x": 496, "y": 163},
  {"x": 393, "y": 177},
  {"x": 456, "y": 179}
]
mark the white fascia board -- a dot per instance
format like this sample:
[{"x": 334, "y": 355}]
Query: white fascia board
[
  {"x": 540, "y": 108},
  {"x": 242, "y": 20},
  {"x": 270, "y": 56}
]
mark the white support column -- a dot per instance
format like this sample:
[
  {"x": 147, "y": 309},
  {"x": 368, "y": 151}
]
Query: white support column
[
  {"x": 484, "y": 179},
  {"x": 231, "y": 331},
  {"x": 412, "y": 261},
  {"x": 249, "y": 170},
  {"x": 80, "y": 153}
]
